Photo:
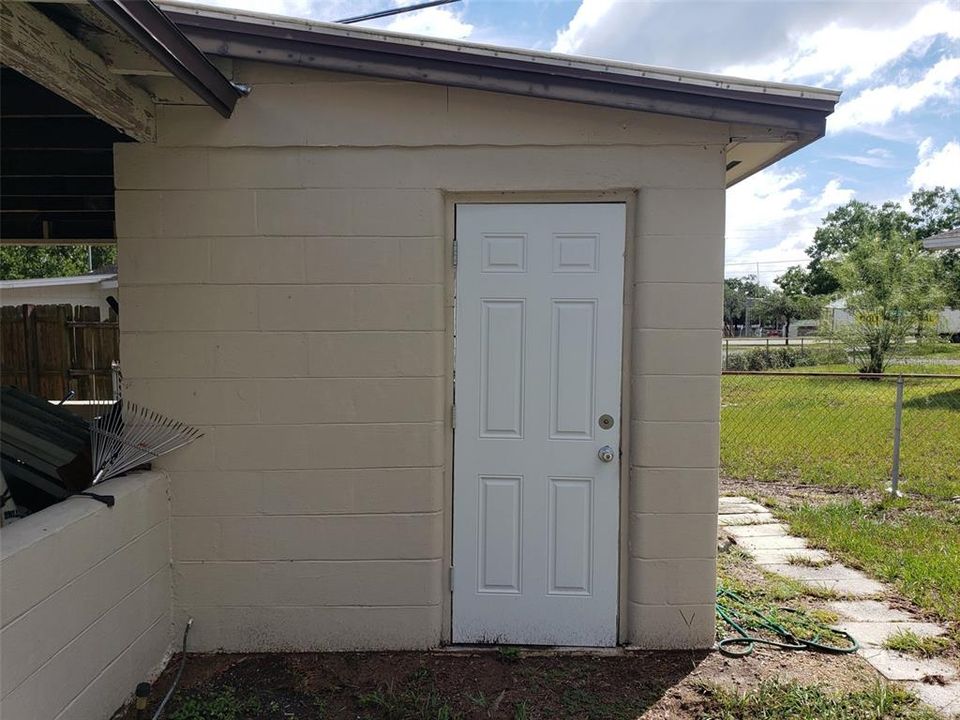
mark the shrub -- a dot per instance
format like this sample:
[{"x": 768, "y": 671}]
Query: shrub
[{"x": 783, "y": 358}]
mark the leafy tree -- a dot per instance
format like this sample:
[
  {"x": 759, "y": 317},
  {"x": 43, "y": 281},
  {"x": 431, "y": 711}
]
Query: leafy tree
[
  {"x": 36, "y": 261},
  {"x": 932, "y": 210},
  {"x": 841, "y": 230},
  {"x": 737, "y": 293},
  {"x": 781, "y": 308},
  {"x": 891, "y": 292}
]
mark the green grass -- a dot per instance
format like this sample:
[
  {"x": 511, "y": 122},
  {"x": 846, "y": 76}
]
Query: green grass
[
  {"x": 838, "y": 432},
  {"x": 913, "y": 546},
  {"x": 222, "y": 704},
  {"x": 777, "y": 700},
  {"x": 907, "y": 641}
]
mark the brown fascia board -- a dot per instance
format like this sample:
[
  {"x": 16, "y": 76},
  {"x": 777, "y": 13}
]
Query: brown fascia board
[
  {"x": 145, "y": 24},
  {"x": 306, "y": 48}
]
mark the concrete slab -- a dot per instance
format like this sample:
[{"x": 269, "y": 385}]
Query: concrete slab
[
  {"x": 874, "y": 633},
  {"x": 771, "y": 542},
  {"x": 734, "y": 500},
  {"x": 840, "y": 578},
  {"x": 746, "y": 519},
  {"x": 748, "y": 507},
  {"x": 740, "y": 531},
  {"x": 945, "y": 698},
  {"x": 781, "y": 556},
  {"x": 868, "y": 611},
  {"x": 900, "y": 666}
]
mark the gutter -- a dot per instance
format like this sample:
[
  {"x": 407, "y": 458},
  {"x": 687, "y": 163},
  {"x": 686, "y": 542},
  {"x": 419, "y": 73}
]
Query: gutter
[
  {"x": 150, "y": 29},
  {"x": 506, "y": 71}
]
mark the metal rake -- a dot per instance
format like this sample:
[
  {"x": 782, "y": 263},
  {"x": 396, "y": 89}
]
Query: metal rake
[{"x": 129, "y": 435}]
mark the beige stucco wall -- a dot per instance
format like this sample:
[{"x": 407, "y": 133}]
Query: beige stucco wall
[
  {"x": 85, "y": 602},
  {"x": 287, "y": 287}
]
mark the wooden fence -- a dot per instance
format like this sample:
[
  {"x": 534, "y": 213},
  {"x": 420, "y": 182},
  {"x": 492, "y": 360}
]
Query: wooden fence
[{"x": 49, "y": 350}]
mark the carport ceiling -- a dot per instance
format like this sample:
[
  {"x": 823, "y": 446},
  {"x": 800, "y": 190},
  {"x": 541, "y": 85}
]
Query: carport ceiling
[{"x": 56, "y": 167}]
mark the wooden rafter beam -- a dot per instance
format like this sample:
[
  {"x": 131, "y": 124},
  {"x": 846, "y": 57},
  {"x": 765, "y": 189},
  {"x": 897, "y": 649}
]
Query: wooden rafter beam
[{"x": 37, "y": 47}]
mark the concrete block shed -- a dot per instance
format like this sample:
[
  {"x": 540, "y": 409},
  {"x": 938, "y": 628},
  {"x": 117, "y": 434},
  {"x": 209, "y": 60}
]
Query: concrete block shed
[{"x": 449, "y": 317}]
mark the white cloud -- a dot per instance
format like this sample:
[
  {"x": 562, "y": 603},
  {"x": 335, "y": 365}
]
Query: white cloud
[
  {"x": 877, "y": 106},
  {"x": 936, "y": 167},
  {"x": 844, "y": 53},
  {"x": 440, "y": 22},
  {"x": 776, "y": 39},
  {"x": 771, "y": 219},
  {"x": 588, "y": 16}
]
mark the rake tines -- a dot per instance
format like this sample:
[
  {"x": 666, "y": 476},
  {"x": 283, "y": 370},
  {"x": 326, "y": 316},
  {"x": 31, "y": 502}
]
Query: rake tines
[{"x": 129, "y": 435}]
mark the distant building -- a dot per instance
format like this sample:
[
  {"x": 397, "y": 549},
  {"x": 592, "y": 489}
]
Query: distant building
[{"x": 88, "y": 290}]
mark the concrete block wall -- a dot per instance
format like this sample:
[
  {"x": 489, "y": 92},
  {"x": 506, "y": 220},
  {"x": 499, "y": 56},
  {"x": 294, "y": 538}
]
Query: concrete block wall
[
  {"x": 85, "y": 602},
  {"x": 286, "y": 287}
]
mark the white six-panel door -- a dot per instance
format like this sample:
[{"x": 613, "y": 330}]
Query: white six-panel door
[{"x": 538, "y": 356}]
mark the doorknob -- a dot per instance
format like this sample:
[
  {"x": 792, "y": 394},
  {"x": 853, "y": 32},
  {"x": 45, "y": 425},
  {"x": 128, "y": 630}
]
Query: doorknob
[{"x": 605, "y": 453}]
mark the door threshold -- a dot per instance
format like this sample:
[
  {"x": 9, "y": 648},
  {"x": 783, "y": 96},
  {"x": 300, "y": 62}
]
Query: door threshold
[{"x": 536, "y": 650}]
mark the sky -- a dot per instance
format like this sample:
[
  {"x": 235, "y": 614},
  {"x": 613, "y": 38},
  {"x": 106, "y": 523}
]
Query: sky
[{"x": 896, "y": 129}]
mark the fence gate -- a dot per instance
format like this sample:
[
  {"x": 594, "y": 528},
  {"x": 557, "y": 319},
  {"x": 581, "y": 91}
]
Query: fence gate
[{"x": 49, "y": 350}]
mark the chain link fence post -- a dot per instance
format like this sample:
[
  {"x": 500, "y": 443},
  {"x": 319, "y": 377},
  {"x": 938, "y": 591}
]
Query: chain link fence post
[{"x": 897, "y": 427}]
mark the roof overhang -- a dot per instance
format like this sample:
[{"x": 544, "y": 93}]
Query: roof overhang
[
  {"x": 778, "y": 118},
  {"x": 106, "y": 280},
  {"x": 947, "y": 240},
  {"x": 147, "y": 26}
]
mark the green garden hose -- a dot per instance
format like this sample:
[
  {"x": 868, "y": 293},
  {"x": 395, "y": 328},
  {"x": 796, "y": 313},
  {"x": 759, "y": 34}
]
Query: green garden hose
[{"x": 745, "y": 618}]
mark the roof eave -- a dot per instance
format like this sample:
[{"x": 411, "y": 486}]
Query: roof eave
[
  {"x": 152, "y": 30},
  {"x": 308, "y": 48}
]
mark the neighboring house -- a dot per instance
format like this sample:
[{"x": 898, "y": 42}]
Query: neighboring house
[
  {"x": 947, "y": 240},
  {"x": 90, "y": 290},
  {"x": 295, "y": 270}
]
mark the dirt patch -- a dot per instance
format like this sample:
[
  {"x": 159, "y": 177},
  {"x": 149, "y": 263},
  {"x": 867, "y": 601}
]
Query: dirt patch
[{"x": 481, "y": 684}]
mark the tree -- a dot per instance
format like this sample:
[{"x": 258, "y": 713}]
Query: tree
[
  {"x": 891, "y": 292},
  {"x": 781, "y": 307},
  {"x": 931, "y": 210},
  {"x": 843, "y": 228},
  {"x": 36, "y": 261},
  {"x": 737, "y": 293}
]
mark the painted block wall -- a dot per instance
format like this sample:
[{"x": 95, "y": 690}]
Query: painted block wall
[
  {"x": 286, "y": 287},
  {"x": 85, "y": 602}
]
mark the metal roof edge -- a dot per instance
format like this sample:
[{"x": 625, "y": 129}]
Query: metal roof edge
[
  {"x": 147, "y": 25},
  {"x": 480, "y": 49}
]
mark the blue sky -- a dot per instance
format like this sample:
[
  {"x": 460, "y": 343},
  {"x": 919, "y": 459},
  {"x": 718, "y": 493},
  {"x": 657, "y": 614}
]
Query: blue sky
[{"x": 896, "y": 129}]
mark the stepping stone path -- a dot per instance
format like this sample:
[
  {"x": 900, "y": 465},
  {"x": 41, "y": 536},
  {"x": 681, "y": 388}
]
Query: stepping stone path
[{"x": 863, "y": 613}]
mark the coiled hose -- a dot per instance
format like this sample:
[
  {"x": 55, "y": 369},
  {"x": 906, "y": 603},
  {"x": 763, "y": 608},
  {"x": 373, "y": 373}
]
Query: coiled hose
[{"x": 743, "y": 617}]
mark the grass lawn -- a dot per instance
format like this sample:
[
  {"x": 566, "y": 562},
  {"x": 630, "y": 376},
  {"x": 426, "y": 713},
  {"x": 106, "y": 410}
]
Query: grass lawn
[
  {"x": 837, "y": 433},
  {"x": 915, "y": 548}
]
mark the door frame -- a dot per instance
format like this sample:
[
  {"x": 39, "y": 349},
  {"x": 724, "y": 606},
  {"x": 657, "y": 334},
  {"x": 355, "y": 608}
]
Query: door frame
[{"x": 629, "y": 197}]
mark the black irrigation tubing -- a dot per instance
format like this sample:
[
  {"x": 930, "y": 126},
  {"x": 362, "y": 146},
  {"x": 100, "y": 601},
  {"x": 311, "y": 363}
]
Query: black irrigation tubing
[{"x": 743, "y": 643}]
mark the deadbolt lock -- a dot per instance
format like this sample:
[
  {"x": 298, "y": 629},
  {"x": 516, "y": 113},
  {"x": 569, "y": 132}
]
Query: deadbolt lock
[{"x": 605, "y": 421}]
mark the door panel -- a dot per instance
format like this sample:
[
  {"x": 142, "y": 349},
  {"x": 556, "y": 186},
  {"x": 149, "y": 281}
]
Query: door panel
[{"x": 538, "y": 356}]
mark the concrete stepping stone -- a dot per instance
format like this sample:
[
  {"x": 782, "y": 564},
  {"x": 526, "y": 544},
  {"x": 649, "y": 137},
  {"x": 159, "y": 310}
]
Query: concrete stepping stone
[
  {"x": 839, "y": 578},
  {"x": 900, "y": 666},
  {"x": 944, "y": 698},
  {"x": 771, "y": 542},
  {"x": 734, "y": 500},
  {"x": 747, "y": 507},
  {"x": 782, "y": 556},
  {"x": 739, "y": 531},
  {"x": 874, "y": 633},
  {"x": 746, "y": 519},
  {"x": 868, "y": 611}
]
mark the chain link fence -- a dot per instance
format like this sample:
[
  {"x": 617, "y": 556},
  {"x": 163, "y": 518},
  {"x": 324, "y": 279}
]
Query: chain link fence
[{"x": 843, "y": 430}]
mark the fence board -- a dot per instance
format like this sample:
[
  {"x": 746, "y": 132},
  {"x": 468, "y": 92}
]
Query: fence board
[{"x": 51, "y": 349}]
